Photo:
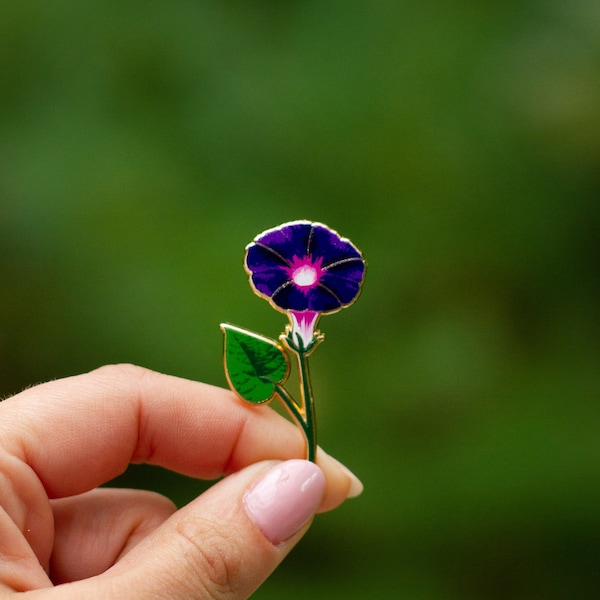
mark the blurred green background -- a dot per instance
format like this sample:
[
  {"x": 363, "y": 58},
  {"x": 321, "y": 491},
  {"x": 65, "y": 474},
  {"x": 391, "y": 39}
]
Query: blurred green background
[{"x": 144, "y": 144}]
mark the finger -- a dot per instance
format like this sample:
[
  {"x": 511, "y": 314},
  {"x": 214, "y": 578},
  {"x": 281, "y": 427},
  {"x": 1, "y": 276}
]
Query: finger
[
  {"x": 93, "y": 530},
  {"x": 82, "y": 431},
  {"x": 20, "y": 569},
  {"x": 222, "y": 545}
]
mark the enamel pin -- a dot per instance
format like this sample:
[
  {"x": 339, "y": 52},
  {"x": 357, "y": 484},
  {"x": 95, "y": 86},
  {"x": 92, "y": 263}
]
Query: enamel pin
[{"x": 305, "y": 270}]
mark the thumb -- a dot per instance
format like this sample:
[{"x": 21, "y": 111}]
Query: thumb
[{"x": 225, "y": 543}]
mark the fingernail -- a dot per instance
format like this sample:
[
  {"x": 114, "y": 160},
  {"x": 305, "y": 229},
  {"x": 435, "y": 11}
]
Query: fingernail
[
  {"x": 285, "y": 498},
  {"x": 356, "y": 486}
]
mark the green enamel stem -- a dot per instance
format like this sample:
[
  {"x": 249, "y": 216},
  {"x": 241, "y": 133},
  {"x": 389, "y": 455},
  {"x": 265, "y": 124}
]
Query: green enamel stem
[
  {"x": 304, "y": 414},
  {"x": 292, "y": 407},
  {"x": 309, "y": 406}
]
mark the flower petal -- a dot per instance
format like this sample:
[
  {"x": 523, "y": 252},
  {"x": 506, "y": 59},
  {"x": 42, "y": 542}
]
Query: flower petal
[
  {"x": 259, "y": 257},
  {"x": 328, "y": 244},
  {"x": 346, "y": 290},
  {"x": 289, "y": 297},
  {"x": 289, "y": 240},
  {"x": 268, "y": 281},
  {"x": 352, "y": 268},
  {"x": 323, "y": 299}
]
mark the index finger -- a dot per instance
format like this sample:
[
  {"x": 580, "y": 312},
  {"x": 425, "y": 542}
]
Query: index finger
[{"x": 80, "y": 432}]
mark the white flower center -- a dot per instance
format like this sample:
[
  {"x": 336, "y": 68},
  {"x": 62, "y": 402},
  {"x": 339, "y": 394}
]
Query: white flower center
[{"x": 305, "y": 276}]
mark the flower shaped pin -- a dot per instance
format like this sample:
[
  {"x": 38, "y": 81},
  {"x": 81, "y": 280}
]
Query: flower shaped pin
[{"x": 304, "y": 270}]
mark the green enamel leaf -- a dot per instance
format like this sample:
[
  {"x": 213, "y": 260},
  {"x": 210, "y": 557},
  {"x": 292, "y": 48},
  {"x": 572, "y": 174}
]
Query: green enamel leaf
[{"x": 253, "y": 364}]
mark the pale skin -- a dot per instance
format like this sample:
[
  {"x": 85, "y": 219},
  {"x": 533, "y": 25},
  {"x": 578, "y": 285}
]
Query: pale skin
[{"x": 63, "y": 537}]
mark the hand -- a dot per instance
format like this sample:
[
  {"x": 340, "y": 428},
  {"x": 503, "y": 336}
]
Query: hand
[{"x": 62, "y": 439}]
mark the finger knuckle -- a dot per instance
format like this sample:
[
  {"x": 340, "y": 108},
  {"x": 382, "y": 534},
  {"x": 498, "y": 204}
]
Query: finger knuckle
[
  {"x": 213, "y": 558},
  {"x": 123, "y": 371}
]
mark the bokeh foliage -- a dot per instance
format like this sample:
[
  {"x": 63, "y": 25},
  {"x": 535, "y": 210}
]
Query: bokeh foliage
[{"x": 144, "y": 144}]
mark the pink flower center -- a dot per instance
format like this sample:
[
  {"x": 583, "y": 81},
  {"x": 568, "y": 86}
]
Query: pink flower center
[
  {"x": 304, "y": 273},
  {"x": 305, "y": 276}
]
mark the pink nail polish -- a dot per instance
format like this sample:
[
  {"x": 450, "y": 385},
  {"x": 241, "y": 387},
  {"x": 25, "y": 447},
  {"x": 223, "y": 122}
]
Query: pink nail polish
[{"x": 285, "y": 498}]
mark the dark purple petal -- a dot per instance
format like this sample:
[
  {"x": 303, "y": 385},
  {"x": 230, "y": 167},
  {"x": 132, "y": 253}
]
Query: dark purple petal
[
  {"x": 268, "y": 270},
  {"x": 322, "y": 299},
  {"x": 344, "y": 279},
  {"x": 267, "y": 281},
  {"x": 289, "y": 297},
  {"x": 319, "y": 299},
  {"x": 344, "y": 289},
  {"x": 326, "y": 243},
  {"x": 259, "y": 257},
  {"x": 287, "y": 241},
  {"x": 352, "y": 269}
]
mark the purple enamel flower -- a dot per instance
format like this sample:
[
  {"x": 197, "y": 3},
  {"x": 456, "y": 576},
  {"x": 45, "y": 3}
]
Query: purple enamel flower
[{"x": 305, "y": 269}]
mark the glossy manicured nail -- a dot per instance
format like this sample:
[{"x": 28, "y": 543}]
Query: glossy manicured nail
[
  {"x": 285, "y": 498},
  {"x": 356, "y": 487}
]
